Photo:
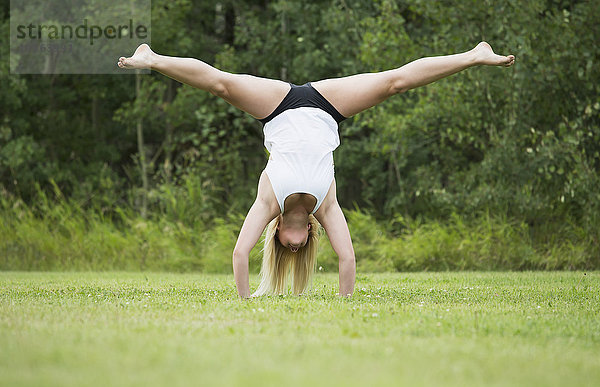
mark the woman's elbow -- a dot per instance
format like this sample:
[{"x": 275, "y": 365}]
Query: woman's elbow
[
  {"x": 347, "y": 257},
  {"x": 239, "y": 256}
]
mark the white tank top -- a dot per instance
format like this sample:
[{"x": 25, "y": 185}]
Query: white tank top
[{"x": 301, "y": 142}]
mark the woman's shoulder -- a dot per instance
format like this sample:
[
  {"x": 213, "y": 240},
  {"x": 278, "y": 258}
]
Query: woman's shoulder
[
  {"x": 266, "y": 195},
  {"x": 329, "y": 202}
]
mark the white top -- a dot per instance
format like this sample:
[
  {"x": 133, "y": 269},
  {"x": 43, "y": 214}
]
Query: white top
[{"x": 301, "y": 142}]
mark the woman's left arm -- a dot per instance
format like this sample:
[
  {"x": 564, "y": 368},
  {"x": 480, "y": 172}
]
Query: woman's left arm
[{"x": 333, "y": 221}]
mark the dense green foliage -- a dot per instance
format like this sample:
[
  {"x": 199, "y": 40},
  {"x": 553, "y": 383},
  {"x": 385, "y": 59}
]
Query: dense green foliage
[
  {"x": 503, "y": 161},
  {"x": 421, "y": 329}
]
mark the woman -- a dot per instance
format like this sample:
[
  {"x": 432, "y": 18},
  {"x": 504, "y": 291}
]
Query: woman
[{"x": 297, "y": 187}]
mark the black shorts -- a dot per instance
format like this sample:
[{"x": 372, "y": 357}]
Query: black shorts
[{"x": 304, "y": 96}]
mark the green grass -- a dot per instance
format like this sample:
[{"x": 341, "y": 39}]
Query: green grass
[{"x": 99, "y": 329}]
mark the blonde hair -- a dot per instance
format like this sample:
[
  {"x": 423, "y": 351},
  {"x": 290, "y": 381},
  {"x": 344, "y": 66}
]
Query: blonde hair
[{"x": 279, "y": 260}]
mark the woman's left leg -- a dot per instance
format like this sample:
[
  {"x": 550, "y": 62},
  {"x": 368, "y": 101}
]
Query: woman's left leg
[
  {"x": 353, "y": 94},
  {"x": 254, "y": 95}
]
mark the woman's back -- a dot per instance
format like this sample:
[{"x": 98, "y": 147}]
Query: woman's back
[{"x": 301, "y": 135}]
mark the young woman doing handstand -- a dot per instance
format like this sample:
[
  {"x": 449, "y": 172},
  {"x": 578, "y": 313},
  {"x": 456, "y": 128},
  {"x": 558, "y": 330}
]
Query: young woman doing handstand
[{"x": 296, "y": 190}]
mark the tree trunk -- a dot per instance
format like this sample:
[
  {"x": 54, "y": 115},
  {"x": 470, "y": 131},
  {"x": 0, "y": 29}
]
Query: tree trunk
[
  {"x": 168, "y": 168},
  {"x": 283, "y": 75},
  {"x": 229, "y": 24},
  {"x": 141, "y": 150}
]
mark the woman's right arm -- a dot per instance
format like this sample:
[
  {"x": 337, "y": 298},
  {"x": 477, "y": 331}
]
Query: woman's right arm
[
  {"x": 334, "y": 223},
  {"x": 264, "y": 209},
  {"x": 332, "y": 219}
]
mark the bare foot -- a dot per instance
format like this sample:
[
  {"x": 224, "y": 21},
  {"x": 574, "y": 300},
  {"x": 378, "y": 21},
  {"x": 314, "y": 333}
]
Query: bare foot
[
  {"x": 141, "y": 59},
  {"x": 485, "y": 56}
]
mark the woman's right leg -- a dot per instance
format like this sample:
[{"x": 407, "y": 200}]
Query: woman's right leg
[
  {"x": 353, "y": 94},
  {"x": 254, "y": 95}
]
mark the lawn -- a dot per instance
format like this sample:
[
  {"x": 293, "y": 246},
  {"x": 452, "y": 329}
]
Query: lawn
[{"x": 146, "y": 329}]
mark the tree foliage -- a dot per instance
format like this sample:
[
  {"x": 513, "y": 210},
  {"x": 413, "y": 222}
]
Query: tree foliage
[{"x": 522, "y": 142}]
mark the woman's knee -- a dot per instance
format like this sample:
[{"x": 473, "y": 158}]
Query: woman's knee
[
  {"x": 219, "y": 88},
  {"x": 219, "y": 84},
  {"x": 398, "y": 85}
]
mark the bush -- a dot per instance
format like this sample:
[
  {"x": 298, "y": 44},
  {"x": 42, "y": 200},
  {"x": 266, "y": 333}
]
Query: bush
[{"x": 59, "y": 235}]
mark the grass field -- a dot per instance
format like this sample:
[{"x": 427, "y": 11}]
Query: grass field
[{"x": 146, "y": 329}]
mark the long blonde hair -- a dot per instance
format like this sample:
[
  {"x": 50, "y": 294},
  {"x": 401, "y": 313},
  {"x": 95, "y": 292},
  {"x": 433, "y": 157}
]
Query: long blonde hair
[{"x": 279, "y": 260}]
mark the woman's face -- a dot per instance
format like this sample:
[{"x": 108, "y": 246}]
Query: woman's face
[{"x": 293, "y": 238}]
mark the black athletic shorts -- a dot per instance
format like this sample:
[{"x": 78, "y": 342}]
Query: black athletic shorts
[{"x": 304, "y": 96}]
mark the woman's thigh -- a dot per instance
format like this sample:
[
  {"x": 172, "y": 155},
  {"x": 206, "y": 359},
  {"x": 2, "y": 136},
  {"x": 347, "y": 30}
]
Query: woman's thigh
[
  {"x": 254, "y": 95},
  {"x": 353, "y": 94}
]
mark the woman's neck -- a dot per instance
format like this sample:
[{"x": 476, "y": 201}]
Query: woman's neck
[
  {"x": 295, "y": 216},
  {"x": 300, "y": 202}
]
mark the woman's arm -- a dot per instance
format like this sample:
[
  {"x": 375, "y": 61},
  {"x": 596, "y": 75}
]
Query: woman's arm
[
  {"x": 333, "y": 221},
  {"x": 263, "y": 210}
]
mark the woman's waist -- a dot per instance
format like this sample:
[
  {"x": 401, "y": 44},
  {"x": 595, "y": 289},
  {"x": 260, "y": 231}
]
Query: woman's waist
[{"x": 301, "y": 176}]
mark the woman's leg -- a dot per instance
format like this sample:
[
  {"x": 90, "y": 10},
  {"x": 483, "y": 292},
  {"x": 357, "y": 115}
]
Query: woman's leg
[
  {"x": 351, "y": 95},
  {"x": 254, "y": 95}
]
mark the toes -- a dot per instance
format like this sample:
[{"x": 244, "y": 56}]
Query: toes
[{"x": 509, "y": 60}]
